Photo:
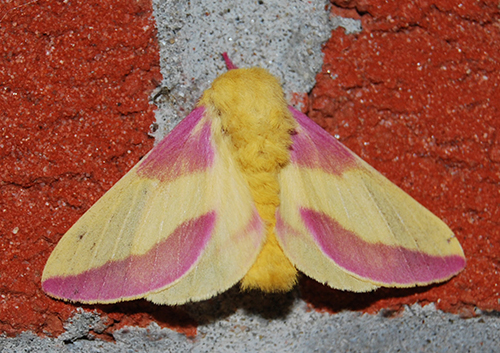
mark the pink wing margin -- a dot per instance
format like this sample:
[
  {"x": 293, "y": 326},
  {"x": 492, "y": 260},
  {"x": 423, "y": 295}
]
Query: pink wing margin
[
  {"x": 135, "y": 275},
  {"x": 313, "y": 148}
]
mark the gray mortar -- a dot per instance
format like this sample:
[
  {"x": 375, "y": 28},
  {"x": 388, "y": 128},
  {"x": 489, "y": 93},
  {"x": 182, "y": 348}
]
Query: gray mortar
[
  {"x": 282, "y": 36},
  {"x": 417, "y": 329}
]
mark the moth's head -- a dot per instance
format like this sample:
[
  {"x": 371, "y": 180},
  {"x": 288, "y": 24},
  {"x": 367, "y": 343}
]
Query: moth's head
[
  {"x": 244, "y": 88},
  {"x": 248, "y": 104},
  {"x": 252, "y": 94}
]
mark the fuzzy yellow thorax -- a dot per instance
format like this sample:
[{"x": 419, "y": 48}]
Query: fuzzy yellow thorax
[{"x": 254, "y": 113}]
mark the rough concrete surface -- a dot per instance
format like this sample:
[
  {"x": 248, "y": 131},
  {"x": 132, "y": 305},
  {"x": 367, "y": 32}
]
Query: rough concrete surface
[
  {"x": 417, "y": 329},
  {"x": 284, "y": 37}
]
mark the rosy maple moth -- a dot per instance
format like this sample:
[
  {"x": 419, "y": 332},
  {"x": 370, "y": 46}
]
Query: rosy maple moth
[{"x": 248, "y": 189}]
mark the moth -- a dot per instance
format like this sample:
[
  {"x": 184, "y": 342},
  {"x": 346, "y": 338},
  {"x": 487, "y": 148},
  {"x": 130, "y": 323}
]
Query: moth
[{"x": 249, "y": 190}]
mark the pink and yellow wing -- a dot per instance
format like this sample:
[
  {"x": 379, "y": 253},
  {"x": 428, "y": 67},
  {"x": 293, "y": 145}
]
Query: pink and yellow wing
[
  {"x": 342, "y": 223},
  {"x": 180, "y": 226}
]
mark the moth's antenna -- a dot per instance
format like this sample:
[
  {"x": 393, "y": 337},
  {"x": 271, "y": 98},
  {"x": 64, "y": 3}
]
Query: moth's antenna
[{"x": 229, "y": 63}]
